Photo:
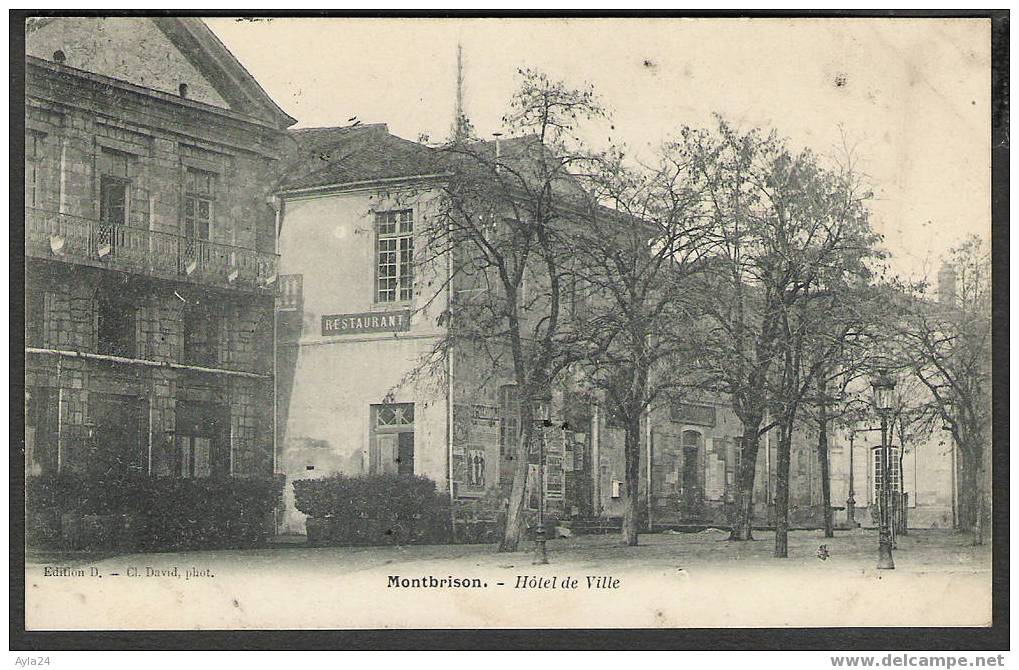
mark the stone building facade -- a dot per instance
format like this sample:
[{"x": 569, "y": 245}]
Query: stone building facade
[
  {"x": 356, "y": 396},
  {"x": 151, "y": 264}
]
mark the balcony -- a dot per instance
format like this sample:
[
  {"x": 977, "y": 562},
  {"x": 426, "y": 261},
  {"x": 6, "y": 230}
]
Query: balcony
[{"x": 73, "y": 239}]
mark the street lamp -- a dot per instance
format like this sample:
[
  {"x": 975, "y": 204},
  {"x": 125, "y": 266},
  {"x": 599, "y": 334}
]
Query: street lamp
[
  {"x": 851, "y": 500},
  {"x": 884, "y": 399},
  {"x": 544, "y": 420}
]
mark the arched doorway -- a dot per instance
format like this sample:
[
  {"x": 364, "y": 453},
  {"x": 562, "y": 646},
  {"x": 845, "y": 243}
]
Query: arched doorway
[{"x": 690, "y": 490}]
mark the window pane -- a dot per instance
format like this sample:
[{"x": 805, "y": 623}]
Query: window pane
[
  {"x": 405, "y": 453},
  {"x": 385, "y": 222},
  {"x": 407, "y": 414},
  {"x": 386, "y": 415},
  {"x": 406, "y": 221}
]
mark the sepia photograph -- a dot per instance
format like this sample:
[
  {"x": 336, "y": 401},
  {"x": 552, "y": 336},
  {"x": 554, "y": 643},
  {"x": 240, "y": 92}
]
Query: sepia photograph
[{"x": 465, "y": 322}]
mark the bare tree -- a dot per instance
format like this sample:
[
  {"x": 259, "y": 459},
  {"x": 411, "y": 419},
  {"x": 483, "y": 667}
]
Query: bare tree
[
  {"x": 630, "y": 266},
  {"x": 502, "y": 225},
  {"x": 947, "y": 346},
  {"x": 842, "y": 348},
  {"x": 785, "y": 228}
]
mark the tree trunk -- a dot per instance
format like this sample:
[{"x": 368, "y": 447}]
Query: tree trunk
[
  {"x": 518, "y": 492},
  {"x": 967, "y": 501},
  {"x": 631, "y": 500},
  {"x": 822, "y": 458},
  {"x": 978, "y": 494},
  {"x": 782, "y": 490},
  {"x": 900, "y": 519},
  {"x": 743, "y": 523}
]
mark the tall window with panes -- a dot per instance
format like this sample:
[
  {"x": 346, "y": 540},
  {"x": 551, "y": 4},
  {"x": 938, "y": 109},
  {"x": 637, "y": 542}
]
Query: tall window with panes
[
  {"x": 199, "y": 198},
  {"x": 394, "y": 268},
  {"x": 33, "y": 169},
  {"x": 114, "y": 187},
  {"x": 894, "y": 478}
]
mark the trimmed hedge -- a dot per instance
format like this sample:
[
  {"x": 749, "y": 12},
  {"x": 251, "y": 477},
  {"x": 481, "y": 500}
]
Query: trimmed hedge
[
  {"x": 373, "y": 510},
  {"x": 69, "y": 511}
]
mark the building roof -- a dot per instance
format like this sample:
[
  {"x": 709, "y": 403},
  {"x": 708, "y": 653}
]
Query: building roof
[
  {"x": 339, "y": 156},
  {"x": 212, "y": 56},
  {"x": 335, "y": 156},
  {"x": 156, "y": 53}
]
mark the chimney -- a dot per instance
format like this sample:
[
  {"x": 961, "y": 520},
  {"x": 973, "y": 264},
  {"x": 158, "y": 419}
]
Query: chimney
[
  {"x": 498, "y": 149},
  {"x": 946, "y": 285}
]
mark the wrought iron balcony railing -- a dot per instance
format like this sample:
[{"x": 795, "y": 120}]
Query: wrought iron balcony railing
[{"x": 83, "y": 241}]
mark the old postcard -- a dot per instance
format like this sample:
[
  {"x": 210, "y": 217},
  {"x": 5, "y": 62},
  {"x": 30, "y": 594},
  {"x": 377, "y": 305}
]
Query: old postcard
[{"x": 363, "y": 323}]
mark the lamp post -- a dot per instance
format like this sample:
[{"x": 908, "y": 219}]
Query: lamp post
[
  {"x": 851, "y": 500},
  {"x": 545, "y": 420},
  {"x": 884, "y": 387}
]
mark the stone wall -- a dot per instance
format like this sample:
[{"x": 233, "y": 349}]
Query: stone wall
[
  {"x": 162, "y": 142},
  {"x": 72, "y": 118}
]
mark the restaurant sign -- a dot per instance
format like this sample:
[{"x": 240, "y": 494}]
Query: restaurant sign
[{"x": 365, "y": 322}]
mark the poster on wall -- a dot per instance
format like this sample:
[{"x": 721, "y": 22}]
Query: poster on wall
[
  {"x": 554, "y": 477},
  {"x": 475, "y": 448}
]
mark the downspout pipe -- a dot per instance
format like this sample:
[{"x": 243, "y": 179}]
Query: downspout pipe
[
  {"x": 277, "y": 205},
  {"x": 449, "y": 390}
]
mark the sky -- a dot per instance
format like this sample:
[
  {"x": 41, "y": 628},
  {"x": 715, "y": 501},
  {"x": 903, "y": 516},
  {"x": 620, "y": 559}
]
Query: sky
[{"x": 911, "y": 96}]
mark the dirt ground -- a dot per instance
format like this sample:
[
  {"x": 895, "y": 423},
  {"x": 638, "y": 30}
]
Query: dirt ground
[{"x": 669, "y": 580}]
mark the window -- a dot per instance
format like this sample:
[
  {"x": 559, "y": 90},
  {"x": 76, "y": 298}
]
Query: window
[
  {"x": 509, "y": 421},
  {"x": 200, "y": 334},
  {"x": 114, "y": 186},
  {"x": 834, "y": 441},
  {"x": 202, "y": 439},
  {"x": 575, "y": 289},
  {"x": 114, "y": 183},
  {"x": 392, "y": 443},
  {"x": 199, "y": 189},
  {"x": 893, "y": 472},
  {"x": 115, "y": 328},
  {"x": 33, "y": 168},
  {"x": 394, "y": 271},
  {"x": 737, "y": 458},
  {"x": 113, "y": 201}
]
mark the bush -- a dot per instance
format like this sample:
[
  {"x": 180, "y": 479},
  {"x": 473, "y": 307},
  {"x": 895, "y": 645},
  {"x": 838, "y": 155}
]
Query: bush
[
  {"x": 480, "y": 520},
  {"x": 373, "y": 510},
  {"x": 139, "y": 512}
]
